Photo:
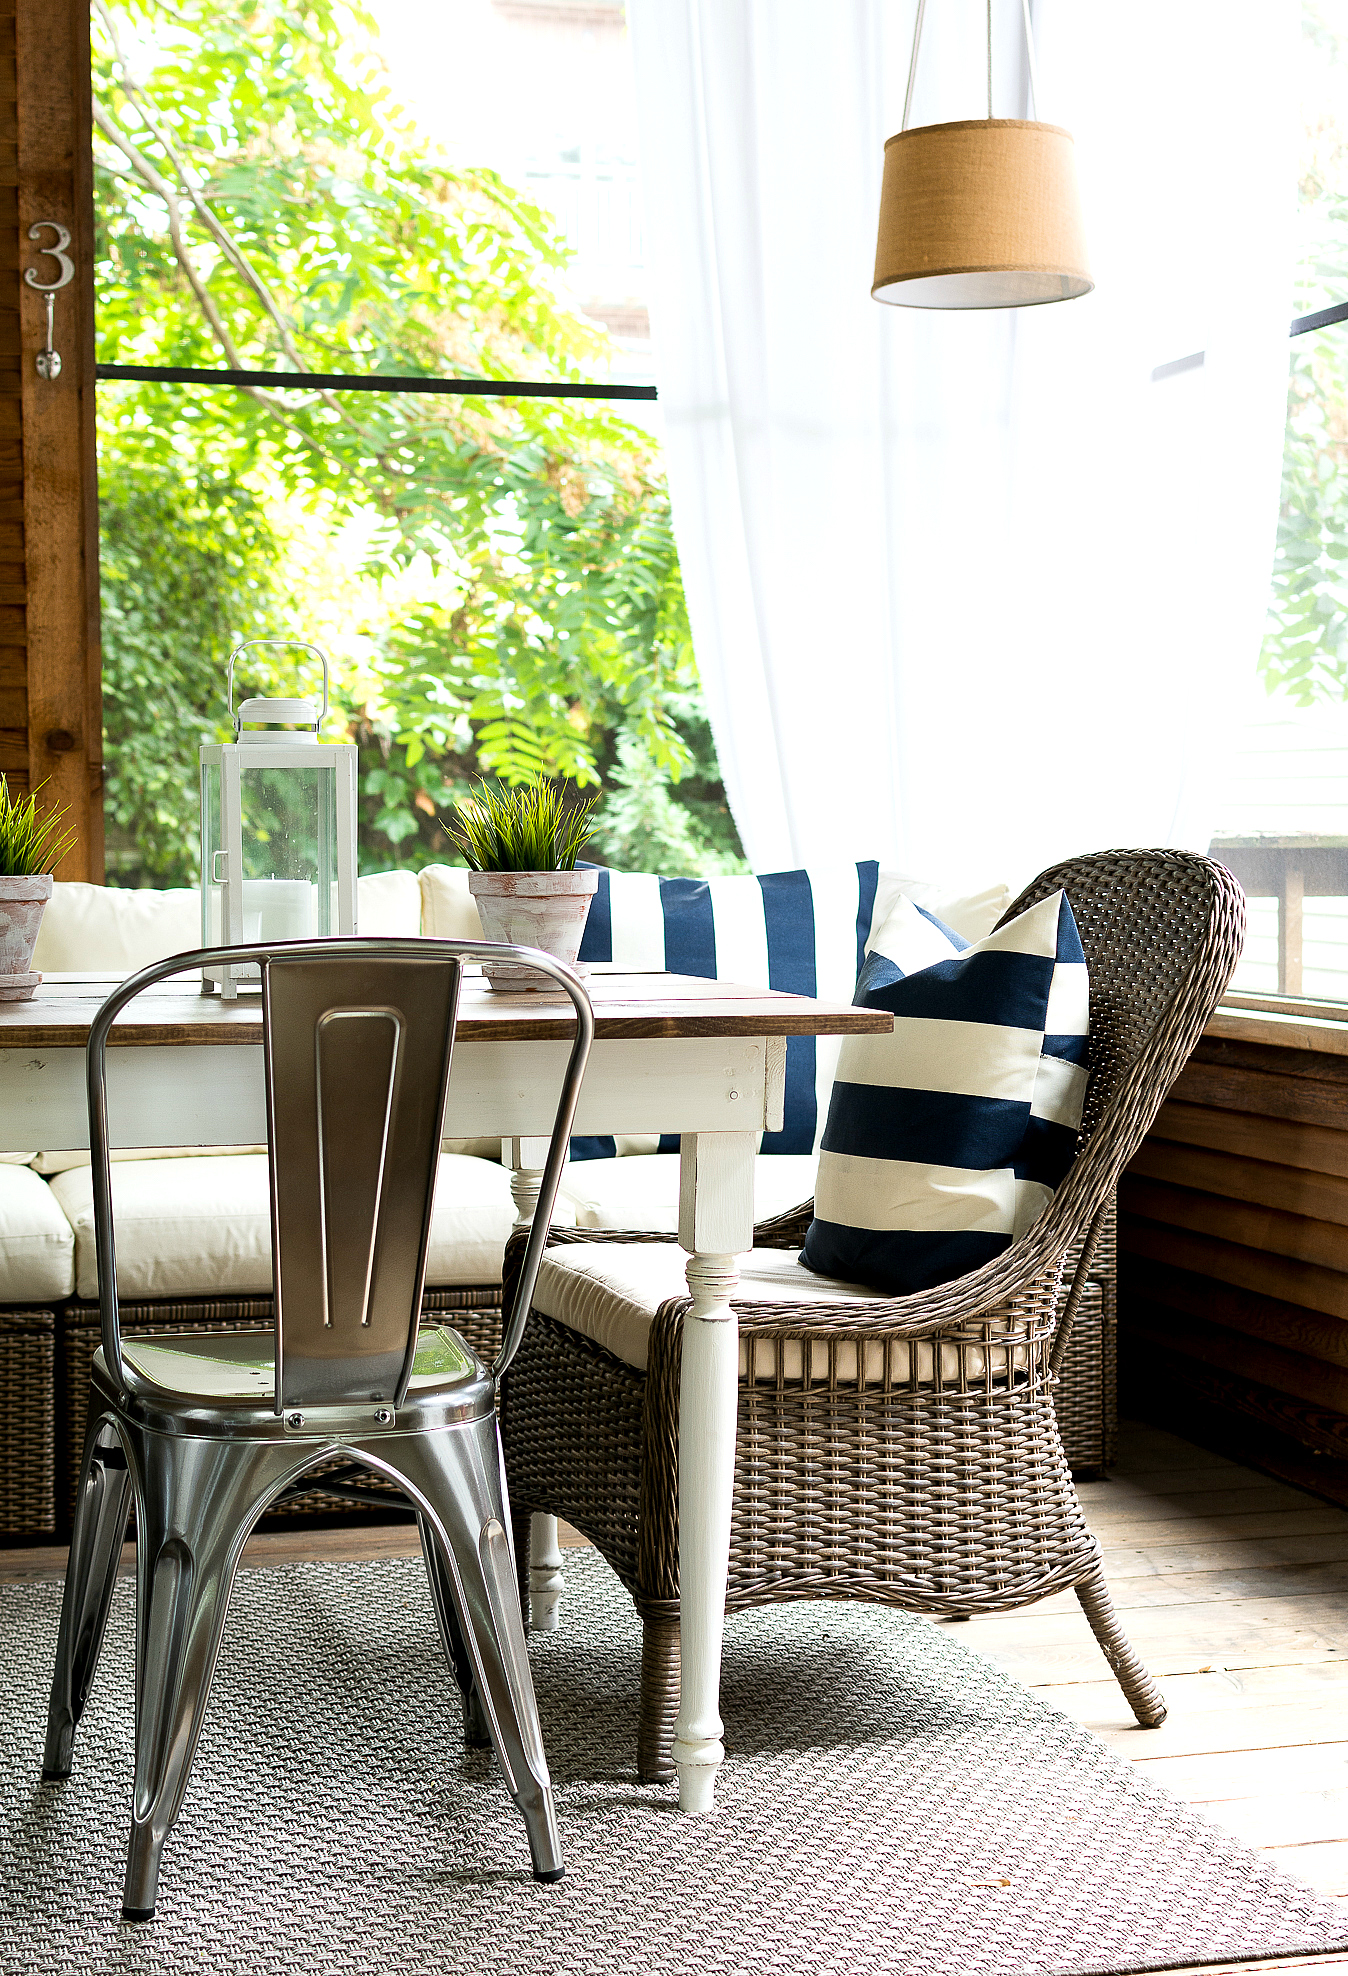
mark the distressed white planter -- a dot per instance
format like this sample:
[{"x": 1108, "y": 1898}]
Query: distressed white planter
[
  {"x": 22, "y": 904},
  {"x": 546, "y": 909}
]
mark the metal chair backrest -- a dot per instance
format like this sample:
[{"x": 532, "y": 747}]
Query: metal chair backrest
[{"x": 358, "y": 1037}]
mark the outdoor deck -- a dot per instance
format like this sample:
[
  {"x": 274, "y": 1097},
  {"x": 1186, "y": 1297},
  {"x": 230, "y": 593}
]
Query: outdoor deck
[{"x": 1230, "y": 1584}]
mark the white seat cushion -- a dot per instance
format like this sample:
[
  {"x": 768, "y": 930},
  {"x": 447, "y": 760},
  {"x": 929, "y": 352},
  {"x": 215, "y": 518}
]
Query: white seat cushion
[
  {"x": 108, "y": 929},
  {"x": 37, "y": 1243},
  {"x": 644, "y": 1192},
  {"x": 448, "y": 908},
  {"x": 611, "y": 1291},
  {"x": 202, "y": 1227}
]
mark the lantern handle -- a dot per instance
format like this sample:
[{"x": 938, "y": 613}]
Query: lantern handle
[
  {"x": 1033, "y": 77},
  {"x": 300, "y": 644}
]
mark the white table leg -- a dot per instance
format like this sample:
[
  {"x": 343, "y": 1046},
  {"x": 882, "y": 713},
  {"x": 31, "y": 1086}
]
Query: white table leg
[
  {"x": 716, "y": 1219},
  {"x": 547, "y": 1580}
]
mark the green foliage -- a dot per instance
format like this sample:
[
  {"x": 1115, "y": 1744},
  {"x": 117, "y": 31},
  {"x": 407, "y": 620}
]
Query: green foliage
[
  {"x": 262, "y": 203},
  {"x": 31, "y": 842},
  {"x": 521, "y": 829},
  {"x": 187, "y": 572},
  {"x": 1305, "y": 650}
]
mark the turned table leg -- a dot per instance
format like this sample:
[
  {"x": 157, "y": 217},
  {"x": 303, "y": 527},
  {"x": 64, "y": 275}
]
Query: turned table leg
[{"x": 716, "y": 1218}]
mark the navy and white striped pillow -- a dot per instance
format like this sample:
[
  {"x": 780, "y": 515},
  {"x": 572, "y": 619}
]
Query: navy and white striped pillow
[
  {"x": 946, "y": 1139},
  {"x": 804, "y": 932}
]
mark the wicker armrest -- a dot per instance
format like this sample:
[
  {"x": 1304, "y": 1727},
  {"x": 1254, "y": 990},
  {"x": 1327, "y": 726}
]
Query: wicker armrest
[{"x": 785, "y": 1231}]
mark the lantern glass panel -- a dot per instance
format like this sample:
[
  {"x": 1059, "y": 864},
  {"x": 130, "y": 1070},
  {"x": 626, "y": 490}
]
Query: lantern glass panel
[
  {"x": 212, "y": 840},
  {"x": 289, "y": 818}
]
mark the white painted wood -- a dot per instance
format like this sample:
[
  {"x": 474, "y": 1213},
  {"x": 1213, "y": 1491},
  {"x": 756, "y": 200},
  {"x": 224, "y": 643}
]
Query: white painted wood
[
  {"x": 707, "y": 1403},
  {"x": 774, "y": 1100},
  {"x": 192, "y": 1094},
  {"x": 547, "y": 1580},
  {"x": 716, "y": 1192},
  {"x": 526, "y": 1159},
  {"x": 186, "y": 1094}
]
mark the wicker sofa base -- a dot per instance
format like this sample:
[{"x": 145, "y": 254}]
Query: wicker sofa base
[{"x": 27, "y": 1394}]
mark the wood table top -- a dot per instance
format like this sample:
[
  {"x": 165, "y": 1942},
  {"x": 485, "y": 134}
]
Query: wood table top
[{"x": 626, "y": 1005}]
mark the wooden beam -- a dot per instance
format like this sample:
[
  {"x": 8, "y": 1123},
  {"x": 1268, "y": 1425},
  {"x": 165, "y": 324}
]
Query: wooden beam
[{"x": 57, "y": 441}]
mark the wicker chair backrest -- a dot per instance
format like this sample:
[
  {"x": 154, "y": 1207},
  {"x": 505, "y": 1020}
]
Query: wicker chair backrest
[{"x": 1159, "y": 929}]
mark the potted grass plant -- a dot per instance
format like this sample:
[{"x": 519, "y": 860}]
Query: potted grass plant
[
  {"x": 521, "y": 846},
  {"x": 31, "y": 845}
]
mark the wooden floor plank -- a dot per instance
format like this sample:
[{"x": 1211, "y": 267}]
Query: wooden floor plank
[
  {"x": 1323, "y": 1865},
  {"x": 1216, "y": 1689},
  {"x": 1207, "y": 1780},
  {"x": 1284, "y": 1818},
  {"x": 1111, "y": 1497},
  {"x": 1131, "y": 1526},
  {"x": 1230, "y": 1557}
]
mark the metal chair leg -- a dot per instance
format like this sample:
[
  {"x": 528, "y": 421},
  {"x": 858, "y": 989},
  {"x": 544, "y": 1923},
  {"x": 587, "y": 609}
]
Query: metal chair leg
[
  {"x": 196, "y": 1500},
  {"x": 455, "y": 1476},
  {"x": 476, "y": 1734},
  {"x": 1140, "y": 1691},
  {"x": 101, "y": 1514}
]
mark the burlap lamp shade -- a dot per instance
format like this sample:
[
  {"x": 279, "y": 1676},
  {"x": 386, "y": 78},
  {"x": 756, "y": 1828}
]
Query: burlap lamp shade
[{"x": 980, "y": 215}]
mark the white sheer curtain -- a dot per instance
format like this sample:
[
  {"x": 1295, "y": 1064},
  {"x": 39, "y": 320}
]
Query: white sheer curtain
[{"x": 969, "y": 591}]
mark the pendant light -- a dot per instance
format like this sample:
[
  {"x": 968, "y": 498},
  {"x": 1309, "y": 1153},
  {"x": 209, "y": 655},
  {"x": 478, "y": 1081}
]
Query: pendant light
[{"x": 983, "y": 214}]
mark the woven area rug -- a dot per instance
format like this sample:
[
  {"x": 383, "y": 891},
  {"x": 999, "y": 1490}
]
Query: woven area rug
[{"x": 890, "y": 1802}]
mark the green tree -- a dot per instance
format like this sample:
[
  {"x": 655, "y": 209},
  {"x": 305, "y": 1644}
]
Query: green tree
[
  {"x": 1305, "y": 650},
  {"x": 264, "y": 204}
]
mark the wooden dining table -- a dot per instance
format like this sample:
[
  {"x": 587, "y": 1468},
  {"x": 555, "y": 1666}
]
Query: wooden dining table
[{"x": 672, "y": 1053}]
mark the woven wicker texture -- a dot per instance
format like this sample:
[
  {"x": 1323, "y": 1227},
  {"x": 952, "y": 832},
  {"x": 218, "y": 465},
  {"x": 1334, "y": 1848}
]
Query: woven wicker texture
[
  {"x": 28, "y": 1450},
  {"x": 950, "y": 1498},
  {"x": 891, "y": 1805}
]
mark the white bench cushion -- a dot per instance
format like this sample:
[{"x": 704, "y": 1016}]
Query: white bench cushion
[
  {"x": 644, "y": 1193},
  {"x": 611, "y": 1291},
  {"x": 37, "y": 1243},
  {"x": 96, "y": 929},
  {"x": 202, "y": 1227}
]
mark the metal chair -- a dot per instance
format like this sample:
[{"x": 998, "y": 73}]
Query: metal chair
[{"x": 202, "y": 1432}]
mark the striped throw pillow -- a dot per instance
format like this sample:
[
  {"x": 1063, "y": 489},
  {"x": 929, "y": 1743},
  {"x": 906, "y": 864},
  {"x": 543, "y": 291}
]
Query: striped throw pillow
[
  {"x": 801, "y": 931},
  {"x": 946, "y": 1139}
]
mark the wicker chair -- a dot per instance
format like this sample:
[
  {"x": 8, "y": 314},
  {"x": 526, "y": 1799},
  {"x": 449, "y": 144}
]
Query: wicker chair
[{"x": 933, "y": 1479}]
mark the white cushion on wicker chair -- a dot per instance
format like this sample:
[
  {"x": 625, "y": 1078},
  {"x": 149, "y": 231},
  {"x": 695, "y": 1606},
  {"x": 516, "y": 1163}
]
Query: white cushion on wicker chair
[
  {"x": 644, "y": 1192},
  {"x": 202, "y": 1227},
  {"x": 611, "y": 1291},
  {"x": 37, "y": 1243}
]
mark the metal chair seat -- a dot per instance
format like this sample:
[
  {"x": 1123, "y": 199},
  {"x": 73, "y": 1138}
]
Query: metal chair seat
[
  {"x": 237, "y": 1369},
  {"x": 202, "y": 1433}
]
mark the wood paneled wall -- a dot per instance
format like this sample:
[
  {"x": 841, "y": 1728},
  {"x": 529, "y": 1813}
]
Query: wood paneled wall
[
  {"x": 1234, "y": 1234},
  {"x": 51, "y": 723}
]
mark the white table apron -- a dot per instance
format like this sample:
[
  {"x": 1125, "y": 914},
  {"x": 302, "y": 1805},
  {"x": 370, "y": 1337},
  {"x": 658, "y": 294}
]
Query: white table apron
[{"x": 718, "y": 1092}]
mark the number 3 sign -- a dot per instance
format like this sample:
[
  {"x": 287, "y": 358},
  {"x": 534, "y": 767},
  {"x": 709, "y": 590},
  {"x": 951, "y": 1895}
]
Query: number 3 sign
[{"x": 48, "y": 360}]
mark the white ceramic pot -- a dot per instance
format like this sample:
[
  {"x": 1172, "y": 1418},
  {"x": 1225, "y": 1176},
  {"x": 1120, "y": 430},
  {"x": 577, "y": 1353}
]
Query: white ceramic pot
[
  {"x": 22, "y": 904},
  {"x": 546, "y": 909}
]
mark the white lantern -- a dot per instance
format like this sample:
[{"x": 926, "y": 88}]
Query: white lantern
[{"x": 278, "y": 829}]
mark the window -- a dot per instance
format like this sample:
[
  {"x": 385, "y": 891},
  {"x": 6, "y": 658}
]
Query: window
[
  {"x": 1282, "y": 821},
  {"x": 280, "y": 189}
]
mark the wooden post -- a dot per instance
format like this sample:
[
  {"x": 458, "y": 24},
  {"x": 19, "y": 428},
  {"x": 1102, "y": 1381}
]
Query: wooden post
[
  {"x": 51, "y": 720},
  {"x": 1291, "y": 891}
]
